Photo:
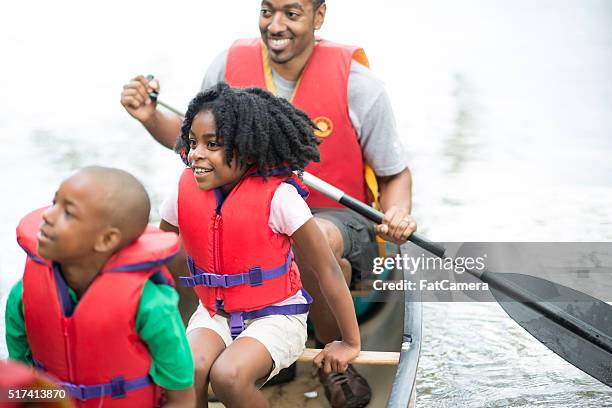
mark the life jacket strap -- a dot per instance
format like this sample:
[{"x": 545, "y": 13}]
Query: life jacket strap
[
  {"x": 237, "y": 319},
  {"x": 254, "y": 277},
  {"x": 117, "y": 388}
]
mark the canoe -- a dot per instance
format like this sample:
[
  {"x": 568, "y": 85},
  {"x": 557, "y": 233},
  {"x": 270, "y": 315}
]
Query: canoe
[{"x": 393, "y": 325}]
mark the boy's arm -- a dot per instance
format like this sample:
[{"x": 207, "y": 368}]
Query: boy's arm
[
  {"x": 336, "y": 355},
  {"x": 188, "y": 301},
  {"x": 16, "y": 338},
  {"x": 159, "y": 325},
  {"x": 180, "y": 398}
]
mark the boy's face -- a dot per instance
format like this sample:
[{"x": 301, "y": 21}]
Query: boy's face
[
  {"x": 74, "y": 222},
  {"x": 207, "y": 156}
]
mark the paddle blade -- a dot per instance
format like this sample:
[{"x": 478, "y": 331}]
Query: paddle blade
[{"x": 594, "y": 318}]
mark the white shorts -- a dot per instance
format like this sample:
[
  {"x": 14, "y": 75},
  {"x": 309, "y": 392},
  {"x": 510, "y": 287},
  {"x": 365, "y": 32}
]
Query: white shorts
[{"x": 284, "y": 336}]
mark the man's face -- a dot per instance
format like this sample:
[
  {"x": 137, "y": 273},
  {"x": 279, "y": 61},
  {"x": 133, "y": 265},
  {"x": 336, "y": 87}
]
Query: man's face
[
  {"x": 287, "y": 27},
  {"x": 72, "y": 224}
]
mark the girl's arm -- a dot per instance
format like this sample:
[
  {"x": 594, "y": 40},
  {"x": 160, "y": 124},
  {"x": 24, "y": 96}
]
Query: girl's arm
[{"x": 335, "y": 357}]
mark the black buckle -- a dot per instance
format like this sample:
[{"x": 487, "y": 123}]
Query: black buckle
[{"x": 255, "y": 276}]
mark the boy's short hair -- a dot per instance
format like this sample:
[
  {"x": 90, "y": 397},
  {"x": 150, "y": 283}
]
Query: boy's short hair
[{"x": 127, "y": 205}]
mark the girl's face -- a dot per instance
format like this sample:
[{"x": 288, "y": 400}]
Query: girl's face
[{"x": 207, "y": 156}]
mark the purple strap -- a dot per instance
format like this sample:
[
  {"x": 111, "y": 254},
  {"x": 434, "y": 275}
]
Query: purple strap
[
  {"x": 237, "y": 319},
  {"x": 255, "y": 276},
  {"x": 117, "y": 388},
  {"x": 38, "y": 364},
  {"x": 301, "y": 190}
]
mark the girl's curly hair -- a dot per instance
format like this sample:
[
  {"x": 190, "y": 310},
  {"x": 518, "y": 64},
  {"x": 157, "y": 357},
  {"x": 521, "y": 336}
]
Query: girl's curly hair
[{"x": 255, "y": 126}]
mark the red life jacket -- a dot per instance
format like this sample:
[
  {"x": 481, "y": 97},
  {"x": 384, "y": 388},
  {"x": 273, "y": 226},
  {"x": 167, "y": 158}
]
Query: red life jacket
[
  {"x": 93, "y": 348},
  {"x": 233, "y": 254},
  {"x": 321, "y": 92}
]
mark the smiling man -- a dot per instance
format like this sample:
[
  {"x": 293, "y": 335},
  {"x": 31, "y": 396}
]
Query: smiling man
[{"x": 360, "y": 149}]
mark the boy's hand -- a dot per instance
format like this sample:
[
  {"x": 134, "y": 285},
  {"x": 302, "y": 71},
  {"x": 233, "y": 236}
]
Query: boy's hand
[
  {"x": 336, "y": 356},
  {"x": 135, "y": 97},
  {"x": 397, "y": 225}
]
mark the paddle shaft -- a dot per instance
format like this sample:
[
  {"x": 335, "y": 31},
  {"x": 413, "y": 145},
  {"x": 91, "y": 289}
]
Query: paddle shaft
[
  {"x": 364, "y": 357},
  {"x": 370, "y": 213},
  {"x": 548, "y": 309}
]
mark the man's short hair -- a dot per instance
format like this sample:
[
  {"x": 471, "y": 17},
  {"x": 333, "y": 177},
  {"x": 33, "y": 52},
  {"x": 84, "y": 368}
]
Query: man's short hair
[{"x": 317, "y": 3}]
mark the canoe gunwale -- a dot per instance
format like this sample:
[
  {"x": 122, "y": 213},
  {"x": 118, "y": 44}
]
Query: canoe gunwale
[{"x": 404, "y": 384}]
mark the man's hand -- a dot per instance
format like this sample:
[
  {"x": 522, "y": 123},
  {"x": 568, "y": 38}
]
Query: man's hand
[
  {"x": 135, "y": 97},
  {"x": 336, "y": 357},
  {"x": 397, "y": 225}
]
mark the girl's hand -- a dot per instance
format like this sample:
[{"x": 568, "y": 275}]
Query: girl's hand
[
  {"x": 336, "y": 356},
  {"x": 397, "y": 225}
]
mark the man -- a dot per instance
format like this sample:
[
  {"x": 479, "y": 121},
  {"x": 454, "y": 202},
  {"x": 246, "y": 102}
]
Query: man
[{"x": 331, "y": 83}]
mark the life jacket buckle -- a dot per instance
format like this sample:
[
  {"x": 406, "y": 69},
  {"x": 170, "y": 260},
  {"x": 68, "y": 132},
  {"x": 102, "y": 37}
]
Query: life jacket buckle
[
  {"x": 255, "y": 276},
  {"x": 75, "y": 391},
  {"x": 215, "y": 280},
  {"x": 187, "y": 281},
  {"x": 236, "y": 324},
  {"x": 118, "y": 387}
]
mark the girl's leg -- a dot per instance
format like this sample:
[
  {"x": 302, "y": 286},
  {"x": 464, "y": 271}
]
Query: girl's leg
[
  {"x": 235, "y": 371},
  {"x": 206, "y": 346}
]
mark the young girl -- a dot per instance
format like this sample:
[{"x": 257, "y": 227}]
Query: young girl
[{"x": 239, "y": 209}]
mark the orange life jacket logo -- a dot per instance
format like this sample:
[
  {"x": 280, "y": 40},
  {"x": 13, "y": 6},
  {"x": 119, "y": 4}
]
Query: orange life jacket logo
[{"x": 325, "y": 126}]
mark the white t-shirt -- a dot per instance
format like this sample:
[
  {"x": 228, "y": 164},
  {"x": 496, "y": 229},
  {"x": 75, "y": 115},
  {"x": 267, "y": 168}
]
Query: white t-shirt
[{"x": 288, "y": 212}]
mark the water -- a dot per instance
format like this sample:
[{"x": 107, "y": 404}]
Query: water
[{"x": 503, "y": 106}]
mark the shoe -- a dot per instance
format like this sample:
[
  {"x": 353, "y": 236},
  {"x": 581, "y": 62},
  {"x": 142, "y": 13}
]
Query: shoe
[
  {"x": 284, "y": 376},
  {"x": 346, "y": 390}
]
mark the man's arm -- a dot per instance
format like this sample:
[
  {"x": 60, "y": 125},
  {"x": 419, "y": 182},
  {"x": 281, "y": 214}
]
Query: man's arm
[
  {"x": 396, "y": 203},
  {"x": 372, "y": 116},
  {"x": 164, "y": 127},
  {"x": 396, "y": 191}
]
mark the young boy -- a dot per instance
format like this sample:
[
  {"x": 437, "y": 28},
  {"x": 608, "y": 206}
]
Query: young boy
[{"x": 95, "y": 307}]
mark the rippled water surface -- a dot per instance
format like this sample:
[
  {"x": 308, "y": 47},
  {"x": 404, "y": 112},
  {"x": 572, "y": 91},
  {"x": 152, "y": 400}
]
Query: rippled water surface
[{"x": 503, "y": 106}]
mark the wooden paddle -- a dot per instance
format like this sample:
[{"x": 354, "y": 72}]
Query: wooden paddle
[{"x": 364, "y": 357}]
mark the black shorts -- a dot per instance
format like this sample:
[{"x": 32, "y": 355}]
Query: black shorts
[{"x": 360, "y": 247}]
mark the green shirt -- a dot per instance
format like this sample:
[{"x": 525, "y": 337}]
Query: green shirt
[{"x": 158, "y": 323}]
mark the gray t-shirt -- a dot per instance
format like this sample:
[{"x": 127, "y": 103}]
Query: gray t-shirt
[{"x": 369, "y": 109}]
